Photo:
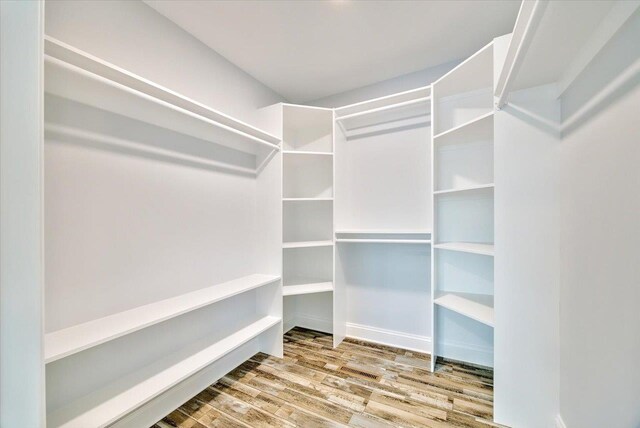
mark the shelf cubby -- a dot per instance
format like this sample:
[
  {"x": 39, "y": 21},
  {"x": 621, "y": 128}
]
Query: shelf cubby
[
  {"x": 74, "y": 339},
  {"x": 307, "y": 129},
  {"x": 308, "y": 220},
  {"x": 465, "y": 93},
  {"x": 76, "y": 75},
  {"x": 307, "y": 176}
]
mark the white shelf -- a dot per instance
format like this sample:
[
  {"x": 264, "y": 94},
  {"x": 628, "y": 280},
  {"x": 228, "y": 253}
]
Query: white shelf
[
  {"x": 68, "y": 341},
  {"x": 105, "y": 406},
  {"x": 423, "y": 100},
  {"x": 478, "y": 307},
  {"x": 463, "y": 126},
  {"x": 302, "y": 152},
  {"x": 467, "y": 247},
  {"x": 555, "y": 42},
  {"x": 81, "y": 77},
  {"x": 306, "y": 286},
  {"x": 384, "y": 231},
  {"x": 305, "y": 199},
  {"x": 472, "y": 74},
  {"x": 385, "y": 241},
  {"x": 464, "y": 189},
  {"x": 307, "y": 244},
  {"x": 383, "y": 102}
]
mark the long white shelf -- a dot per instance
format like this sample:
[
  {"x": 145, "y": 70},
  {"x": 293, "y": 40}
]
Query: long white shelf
[
  {"x": 463, "y": 126},
  {"x": 385, "y": 241},
  {"x": 467, "y": 247},
  {"x": 68, "y": 341},
  {"x": 84, "y": 78},
  {"x": 478, "y": 307},
  {"x": 301, "y": 152},
  {"x": 464, "y": 189},
  {"x": 307, "y": 244},
  {"x": 305, "y": 286},
  {"x": 103, "y": 407}
]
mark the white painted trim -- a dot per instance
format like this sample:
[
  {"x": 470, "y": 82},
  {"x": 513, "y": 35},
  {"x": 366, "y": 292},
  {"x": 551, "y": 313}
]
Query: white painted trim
[
  {"x": 289, "y": 323},
  {"x": 412, "y": 342},
  {"x": 461, "y": 351},
  {"x": 22, "y": 376},
  {"x": 559, "y": 422},
  {"x": 314, "y": 323}
]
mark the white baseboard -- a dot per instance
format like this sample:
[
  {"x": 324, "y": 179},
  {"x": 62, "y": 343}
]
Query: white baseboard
[
  {"x": 412, "y": 342},
  {"x": 464, "y": 352},
  {"x": 452, "y": 350},
  {"x": 559, "y": 422},
  {"x": 313, "y": 323}
]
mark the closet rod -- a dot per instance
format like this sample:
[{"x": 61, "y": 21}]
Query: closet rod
[
  {"x": 383, "y": 108},
  {"x": 532, "y": 12}
]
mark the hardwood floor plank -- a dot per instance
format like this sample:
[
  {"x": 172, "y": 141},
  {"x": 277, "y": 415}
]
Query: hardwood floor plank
[{"x": 357, "y": 384}]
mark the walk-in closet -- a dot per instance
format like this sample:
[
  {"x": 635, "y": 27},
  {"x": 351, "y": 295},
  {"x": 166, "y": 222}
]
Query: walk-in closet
[{"x": 319, "y": 214}]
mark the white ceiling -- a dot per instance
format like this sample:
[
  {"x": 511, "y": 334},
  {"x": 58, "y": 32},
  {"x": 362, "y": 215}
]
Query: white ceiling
[{"x": 305, "y": 50}]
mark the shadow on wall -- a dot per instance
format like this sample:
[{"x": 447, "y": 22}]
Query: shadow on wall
[{"x": 69, "y": 122}]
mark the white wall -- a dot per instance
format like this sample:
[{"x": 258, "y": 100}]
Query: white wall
[
  {"x": 386, "y": 87},
  {"x": 600, "y": 291},
  {"x": 158, "y": 50},
  {"x": 21, "y": 270}
]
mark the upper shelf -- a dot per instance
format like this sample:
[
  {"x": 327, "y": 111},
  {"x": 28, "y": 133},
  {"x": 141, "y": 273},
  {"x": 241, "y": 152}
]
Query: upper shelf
[
  {"x": 68, "y": 341},
  {"x": 385, "y": 102},
  {"x": 413, "y": 105},
  {"x": 553, "y": 42},
  {"x": 79, "y": 76},
  {"x": 474, "y": 73}
]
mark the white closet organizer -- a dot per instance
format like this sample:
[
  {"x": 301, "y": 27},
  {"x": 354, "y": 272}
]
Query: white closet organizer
[
  {"x": 307, "y": 190},
  {"x": 462, "y": 263},
  {"x": 383, "y": 218},
  {"x": 130, "y": 365}
]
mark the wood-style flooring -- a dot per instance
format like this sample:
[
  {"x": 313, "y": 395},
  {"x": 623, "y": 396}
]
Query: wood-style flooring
[{"x": 358, "y": 384}]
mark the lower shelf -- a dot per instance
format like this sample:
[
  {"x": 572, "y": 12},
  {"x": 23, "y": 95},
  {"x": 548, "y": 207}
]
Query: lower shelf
[
  {"x": 478, "y": 307},
  {"x": 298, "y": 287},
  {"x": 105, "y": 406}
]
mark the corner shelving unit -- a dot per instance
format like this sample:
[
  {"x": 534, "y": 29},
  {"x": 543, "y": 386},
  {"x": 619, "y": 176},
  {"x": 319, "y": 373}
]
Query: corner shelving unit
[
  {"x": 307, "y": 190},
  {"x": 463, "y": 189},
  {"x": 100, "y": 370}
]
